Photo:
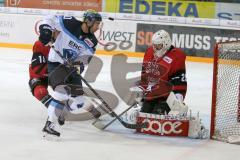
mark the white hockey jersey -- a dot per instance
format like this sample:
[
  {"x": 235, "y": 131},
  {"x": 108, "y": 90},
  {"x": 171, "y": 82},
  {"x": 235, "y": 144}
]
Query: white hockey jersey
[{"x": 72, "y": 43}]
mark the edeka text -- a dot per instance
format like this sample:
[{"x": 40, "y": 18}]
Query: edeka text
[{"x": 159, "y": 8}]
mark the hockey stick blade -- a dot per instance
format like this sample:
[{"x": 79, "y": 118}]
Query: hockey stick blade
[
  {"x": 98, "y": 123},
  {"x": 131, "y": 126},
  {"x": 109, "y": 123}
]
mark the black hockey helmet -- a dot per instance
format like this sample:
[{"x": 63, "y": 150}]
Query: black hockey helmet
[{"x": 91, "y": 16}]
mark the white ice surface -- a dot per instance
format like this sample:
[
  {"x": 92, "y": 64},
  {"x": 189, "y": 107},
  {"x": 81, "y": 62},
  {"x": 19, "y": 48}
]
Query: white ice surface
[{"x": 22, "y": 118}]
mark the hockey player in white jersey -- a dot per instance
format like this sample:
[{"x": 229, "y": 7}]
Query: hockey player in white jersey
[{"x": 75, "y": 44}]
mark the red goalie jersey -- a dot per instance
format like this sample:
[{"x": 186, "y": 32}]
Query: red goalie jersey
[{"x": 164, "y": 73}]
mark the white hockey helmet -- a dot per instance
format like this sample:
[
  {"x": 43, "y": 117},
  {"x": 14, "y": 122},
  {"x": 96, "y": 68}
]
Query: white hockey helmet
[{"x": 161, "y": 42}]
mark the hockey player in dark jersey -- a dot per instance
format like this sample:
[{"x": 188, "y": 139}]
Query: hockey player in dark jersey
[
  {"x": 163, "y": 71},
  {"x": 75, "y": 44},
  {"x": 38, "y": 82}
]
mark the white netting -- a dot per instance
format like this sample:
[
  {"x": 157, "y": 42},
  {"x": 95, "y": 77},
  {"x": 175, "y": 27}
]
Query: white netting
[{"x": 227, "y": 120}]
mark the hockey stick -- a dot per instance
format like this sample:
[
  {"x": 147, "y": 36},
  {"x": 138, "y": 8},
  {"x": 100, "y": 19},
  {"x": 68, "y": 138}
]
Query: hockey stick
[
  {"x": 94, "y": 101},
  {"x": 111, "y": 112},
  {"x": 99, "y": 124}
]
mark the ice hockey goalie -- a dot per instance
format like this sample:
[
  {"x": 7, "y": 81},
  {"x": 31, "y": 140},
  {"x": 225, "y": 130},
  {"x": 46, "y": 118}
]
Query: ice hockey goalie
[{"x": 162, "y": 90}]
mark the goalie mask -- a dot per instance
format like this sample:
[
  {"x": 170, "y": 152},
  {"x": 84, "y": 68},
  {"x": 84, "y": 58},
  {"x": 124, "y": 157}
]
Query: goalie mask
[{"x": 161, "y": 42}]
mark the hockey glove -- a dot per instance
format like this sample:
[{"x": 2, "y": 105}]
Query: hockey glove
[
  {"x": 176, "y": 104},
  {"x": 138, "y": 93},
  {"x": 45, "y": 33}
]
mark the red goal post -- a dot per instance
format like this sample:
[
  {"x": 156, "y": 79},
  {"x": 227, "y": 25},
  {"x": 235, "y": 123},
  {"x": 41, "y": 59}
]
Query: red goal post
[{"x": 225, "y": 116}]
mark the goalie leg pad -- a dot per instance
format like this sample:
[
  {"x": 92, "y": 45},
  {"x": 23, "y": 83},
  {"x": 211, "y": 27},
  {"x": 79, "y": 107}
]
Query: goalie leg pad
[
  {"x": 162, "y": 125},
  {"x": 196, "y": 129}
]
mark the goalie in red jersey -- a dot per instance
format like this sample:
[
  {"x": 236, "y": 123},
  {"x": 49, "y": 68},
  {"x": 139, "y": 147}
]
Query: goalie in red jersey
[
  {"x": 163, "y": 72},
  {"x": 38, "y": 82}
]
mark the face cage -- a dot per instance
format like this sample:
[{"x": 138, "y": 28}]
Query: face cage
[{"x": 159, "y": 52}]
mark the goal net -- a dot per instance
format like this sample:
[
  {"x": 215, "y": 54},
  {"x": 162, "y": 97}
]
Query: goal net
[{"x": 225, "y": 119}]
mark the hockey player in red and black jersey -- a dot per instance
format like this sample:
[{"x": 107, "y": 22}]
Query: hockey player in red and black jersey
[
  {"x": 38, "y": 68},
  {"x": 163, "y": 71},
  {"x": 164, "y": 86}
]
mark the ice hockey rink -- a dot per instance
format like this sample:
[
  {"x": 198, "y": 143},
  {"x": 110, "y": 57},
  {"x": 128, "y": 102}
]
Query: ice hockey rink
[{"x": 22, "y": 117}]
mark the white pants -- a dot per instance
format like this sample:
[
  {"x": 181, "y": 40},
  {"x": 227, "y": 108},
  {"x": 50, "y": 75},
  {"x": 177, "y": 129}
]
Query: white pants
[{"x": 61, "y": 97}]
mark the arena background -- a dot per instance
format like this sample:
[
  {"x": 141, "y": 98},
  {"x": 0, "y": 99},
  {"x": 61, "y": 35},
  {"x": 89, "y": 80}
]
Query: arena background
[{"x": 190, "y": 26}]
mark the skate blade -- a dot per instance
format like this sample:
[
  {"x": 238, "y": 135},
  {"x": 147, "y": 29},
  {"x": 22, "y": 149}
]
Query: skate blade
[{"x": 50, "y": 137}]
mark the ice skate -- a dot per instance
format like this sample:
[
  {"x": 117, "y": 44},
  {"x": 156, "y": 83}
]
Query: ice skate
[{"x": 49, "y": 129}]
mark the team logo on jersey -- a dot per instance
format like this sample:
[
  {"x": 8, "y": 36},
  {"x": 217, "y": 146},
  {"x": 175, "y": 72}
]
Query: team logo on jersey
[
  {"x": 88, "y": 42},
  {"x": 76, "y": 46},
  {"x": 167, "y": 59}
]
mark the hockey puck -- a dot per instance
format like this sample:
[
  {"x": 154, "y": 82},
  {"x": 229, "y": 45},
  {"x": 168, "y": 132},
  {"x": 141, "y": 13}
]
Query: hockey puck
[{"x": 111, "y": 19}]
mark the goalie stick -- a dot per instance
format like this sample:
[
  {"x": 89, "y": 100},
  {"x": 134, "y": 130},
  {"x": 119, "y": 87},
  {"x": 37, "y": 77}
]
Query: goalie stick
[
  {"x": 111, "y": 112},
  {"x": 98, "y": 124}
]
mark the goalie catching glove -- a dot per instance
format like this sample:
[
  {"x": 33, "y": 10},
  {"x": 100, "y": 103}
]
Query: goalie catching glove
[{"x": 175, "y": 102}]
